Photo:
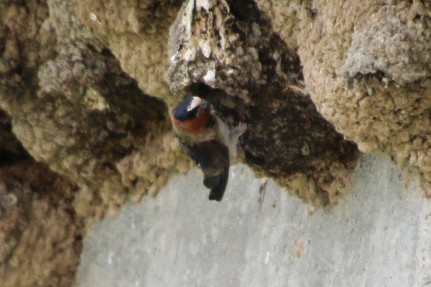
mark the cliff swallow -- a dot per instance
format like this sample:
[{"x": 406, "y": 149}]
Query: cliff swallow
[{"x": 208, "y": 140}]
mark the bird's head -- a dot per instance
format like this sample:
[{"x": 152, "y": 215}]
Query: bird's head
[{"x": 191, "y": 115}]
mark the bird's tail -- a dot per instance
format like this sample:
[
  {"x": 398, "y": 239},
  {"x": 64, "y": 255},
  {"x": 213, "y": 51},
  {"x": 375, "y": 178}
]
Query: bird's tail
[{"x": 217, "y": 190}]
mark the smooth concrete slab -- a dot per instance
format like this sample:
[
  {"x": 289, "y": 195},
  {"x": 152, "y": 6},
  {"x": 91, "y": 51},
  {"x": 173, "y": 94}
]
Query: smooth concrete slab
[{"x": 378, "y": 235}]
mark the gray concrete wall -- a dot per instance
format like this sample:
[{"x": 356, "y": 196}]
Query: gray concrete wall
[{"x": 378, "y": 235}]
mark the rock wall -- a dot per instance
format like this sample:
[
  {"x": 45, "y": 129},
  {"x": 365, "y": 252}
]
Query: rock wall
[
  {"x": 85, "y": 88},
  {"x": 377, "y": 235}
]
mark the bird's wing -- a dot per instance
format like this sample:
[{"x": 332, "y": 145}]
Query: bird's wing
[{"x": 213, "y": 158}]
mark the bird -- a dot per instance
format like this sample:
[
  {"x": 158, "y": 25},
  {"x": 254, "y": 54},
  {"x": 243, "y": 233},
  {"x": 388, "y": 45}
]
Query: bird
[{"x": 208, "y": 140}]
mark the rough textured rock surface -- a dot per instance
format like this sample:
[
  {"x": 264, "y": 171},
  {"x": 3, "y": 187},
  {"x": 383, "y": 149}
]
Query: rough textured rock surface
[
  {"x": 85, "y": 87},
  {"x": 367, "y": 68},
  {"x": 137, "y": 34},
  {"x": 228, "y": 53},
  {"x": 73, "y": 108},
  {"x": 40, "y": 233}
]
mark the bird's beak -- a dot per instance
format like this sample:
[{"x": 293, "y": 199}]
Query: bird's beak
[{"x": 205, "y": 105}]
